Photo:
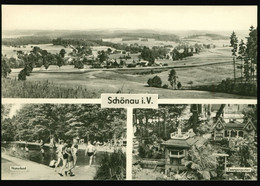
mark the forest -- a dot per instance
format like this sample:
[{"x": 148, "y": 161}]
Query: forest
[{"x": 88, "y": 122}]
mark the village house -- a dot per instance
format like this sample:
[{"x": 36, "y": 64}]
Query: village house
[
  {"x": 143, "y": 63},
  {"x": 232, "y": 129}
]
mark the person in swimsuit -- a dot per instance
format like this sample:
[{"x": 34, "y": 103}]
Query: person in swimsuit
[
  {"x": 64, "y": 158},
  {"x": 74, "y": 149},
  {"x": 90, "y": 151},
  {"x": 70, "y": 162},
  {"x": 59, "y": 154}
]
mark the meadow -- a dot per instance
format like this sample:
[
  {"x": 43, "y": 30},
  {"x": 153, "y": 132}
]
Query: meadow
[
  {"x": 149, "y": 43},
  {"x": 11, "y": 51},
  {"x": 209, "y": 67},
  {"x": 91, "y": 83}
]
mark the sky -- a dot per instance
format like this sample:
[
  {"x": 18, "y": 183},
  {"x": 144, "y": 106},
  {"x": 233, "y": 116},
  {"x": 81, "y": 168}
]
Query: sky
[{"x": 68, "y": 17}]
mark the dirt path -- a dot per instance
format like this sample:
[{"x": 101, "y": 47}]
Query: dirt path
[{"x": 36, "y": 171}]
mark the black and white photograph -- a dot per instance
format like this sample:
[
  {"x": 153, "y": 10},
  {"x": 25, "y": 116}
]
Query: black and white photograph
[
  {"x": 81, "y": 51},
  {"x": 195, "y": 142},
  {"x": 129, "y": 92},
  {"x": 62, "y": 142}
]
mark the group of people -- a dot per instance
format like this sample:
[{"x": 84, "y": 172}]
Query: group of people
[{"x": 67, "y": 154}]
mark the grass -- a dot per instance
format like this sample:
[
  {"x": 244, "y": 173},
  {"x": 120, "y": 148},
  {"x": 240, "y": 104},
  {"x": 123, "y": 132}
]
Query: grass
[
  {"x": 9, "y": 51},
  {"x": 26, "y": 89},
  {"x": 90, "y": 84},
  {"x": 149, "y": 43}
]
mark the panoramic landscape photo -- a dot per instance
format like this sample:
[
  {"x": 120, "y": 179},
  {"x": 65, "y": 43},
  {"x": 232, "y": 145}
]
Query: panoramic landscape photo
[
  {"x": 62, "y": 142},
  {"x": 172, "y": 51}
]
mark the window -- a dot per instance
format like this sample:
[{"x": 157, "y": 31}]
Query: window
[
  {"x": 233, "y": 133},
  {"x": 241, "y": 133},
  {"x": 181, "y": 152},
  {"x": 226, "y": 133},
  {"x": 174, "y": 152}
]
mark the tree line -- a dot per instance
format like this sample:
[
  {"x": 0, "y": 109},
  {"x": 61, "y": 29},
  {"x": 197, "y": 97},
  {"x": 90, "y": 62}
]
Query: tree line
[
  {"x": 38, "y": 57},
  {"x": 26, "y": 40},
  {"x": 246, "y": 53},
  {"x": 88, "y": 122}
]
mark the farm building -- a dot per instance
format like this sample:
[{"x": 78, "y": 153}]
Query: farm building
[{"x": 143, "y": 63}]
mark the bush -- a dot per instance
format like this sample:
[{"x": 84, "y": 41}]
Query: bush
[
  {"x": 155, "y": 82},
  {"x": 78, "y": 64},
  {"x": 22, "y": 75},
  {"x": 228, "y": 86},
  {"x": 131, "y": 65},
  {"x": 247, "y": 89},
  {"x": 142, "y": 150},
  {"x": 112, "y": 166},
  {"x": 165, "y": 86}
]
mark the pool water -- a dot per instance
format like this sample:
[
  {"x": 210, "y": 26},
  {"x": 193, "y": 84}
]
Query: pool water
[{"x": 50, "y": 154}]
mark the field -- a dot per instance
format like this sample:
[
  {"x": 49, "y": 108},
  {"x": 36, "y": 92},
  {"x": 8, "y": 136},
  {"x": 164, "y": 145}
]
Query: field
[
  {"x": 11, "y": 51},
  {"x": 209, "y": 67},
  {"x": 150, "y": 43}
]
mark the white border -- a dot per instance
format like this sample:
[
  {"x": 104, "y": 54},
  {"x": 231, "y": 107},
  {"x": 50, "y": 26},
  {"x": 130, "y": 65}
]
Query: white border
[{"x": 98, "y": 101}]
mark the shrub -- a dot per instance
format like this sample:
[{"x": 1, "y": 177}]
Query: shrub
[
  {"x": 142, "y": 150},
  {"x": 131, "y": 65},
  {"x": 112, "y": 166},
  {"x": 155, "y": 82},
  {"x": 165, "y": 86},
  {"x": 22, "y": 75},
  {"x": 179, "y": 85}
]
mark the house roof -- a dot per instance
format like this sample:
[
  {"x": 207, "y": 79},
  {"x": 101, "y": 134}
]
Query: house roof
[
  {"x": 176, "y": 143},
  {"x": 234, "y": 125},
  {"x": 196, "y": 140}
]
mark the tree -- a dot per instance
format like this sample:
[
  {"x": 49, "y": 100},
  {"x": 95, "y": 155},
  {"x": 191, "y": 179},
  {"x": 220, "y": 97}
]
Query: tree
[
  {"x": 250, "y": 113},
  {"x": 179, "y": 85},
  {"x": 102, "y": 56},
  {"x": 69, "y": 121},
  {"x": 60, "y": 60},
  {"x": 78, "y": 64},
  {"x": 202, "y": 164},
  {"x": 7, "y": 127},
  {"x": 172, "y": 78},
  {"x": 241, "y": 52},
  {"x": 251, "y": 50},
  {"x": 22, "y": 75},
  {"x": 155, "y": 82},
  {"x": 109, "y": 50},
  {"x": 220, "y": 111},
  {"x": 147, "y": 54},
  {"x": 112, "y": 167},
  {"x": 62, "y": 52},
  {"x": 5, "y": 67},
  {"x": 233, "y": 42},
  {"x": 244, "y": 154}
]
